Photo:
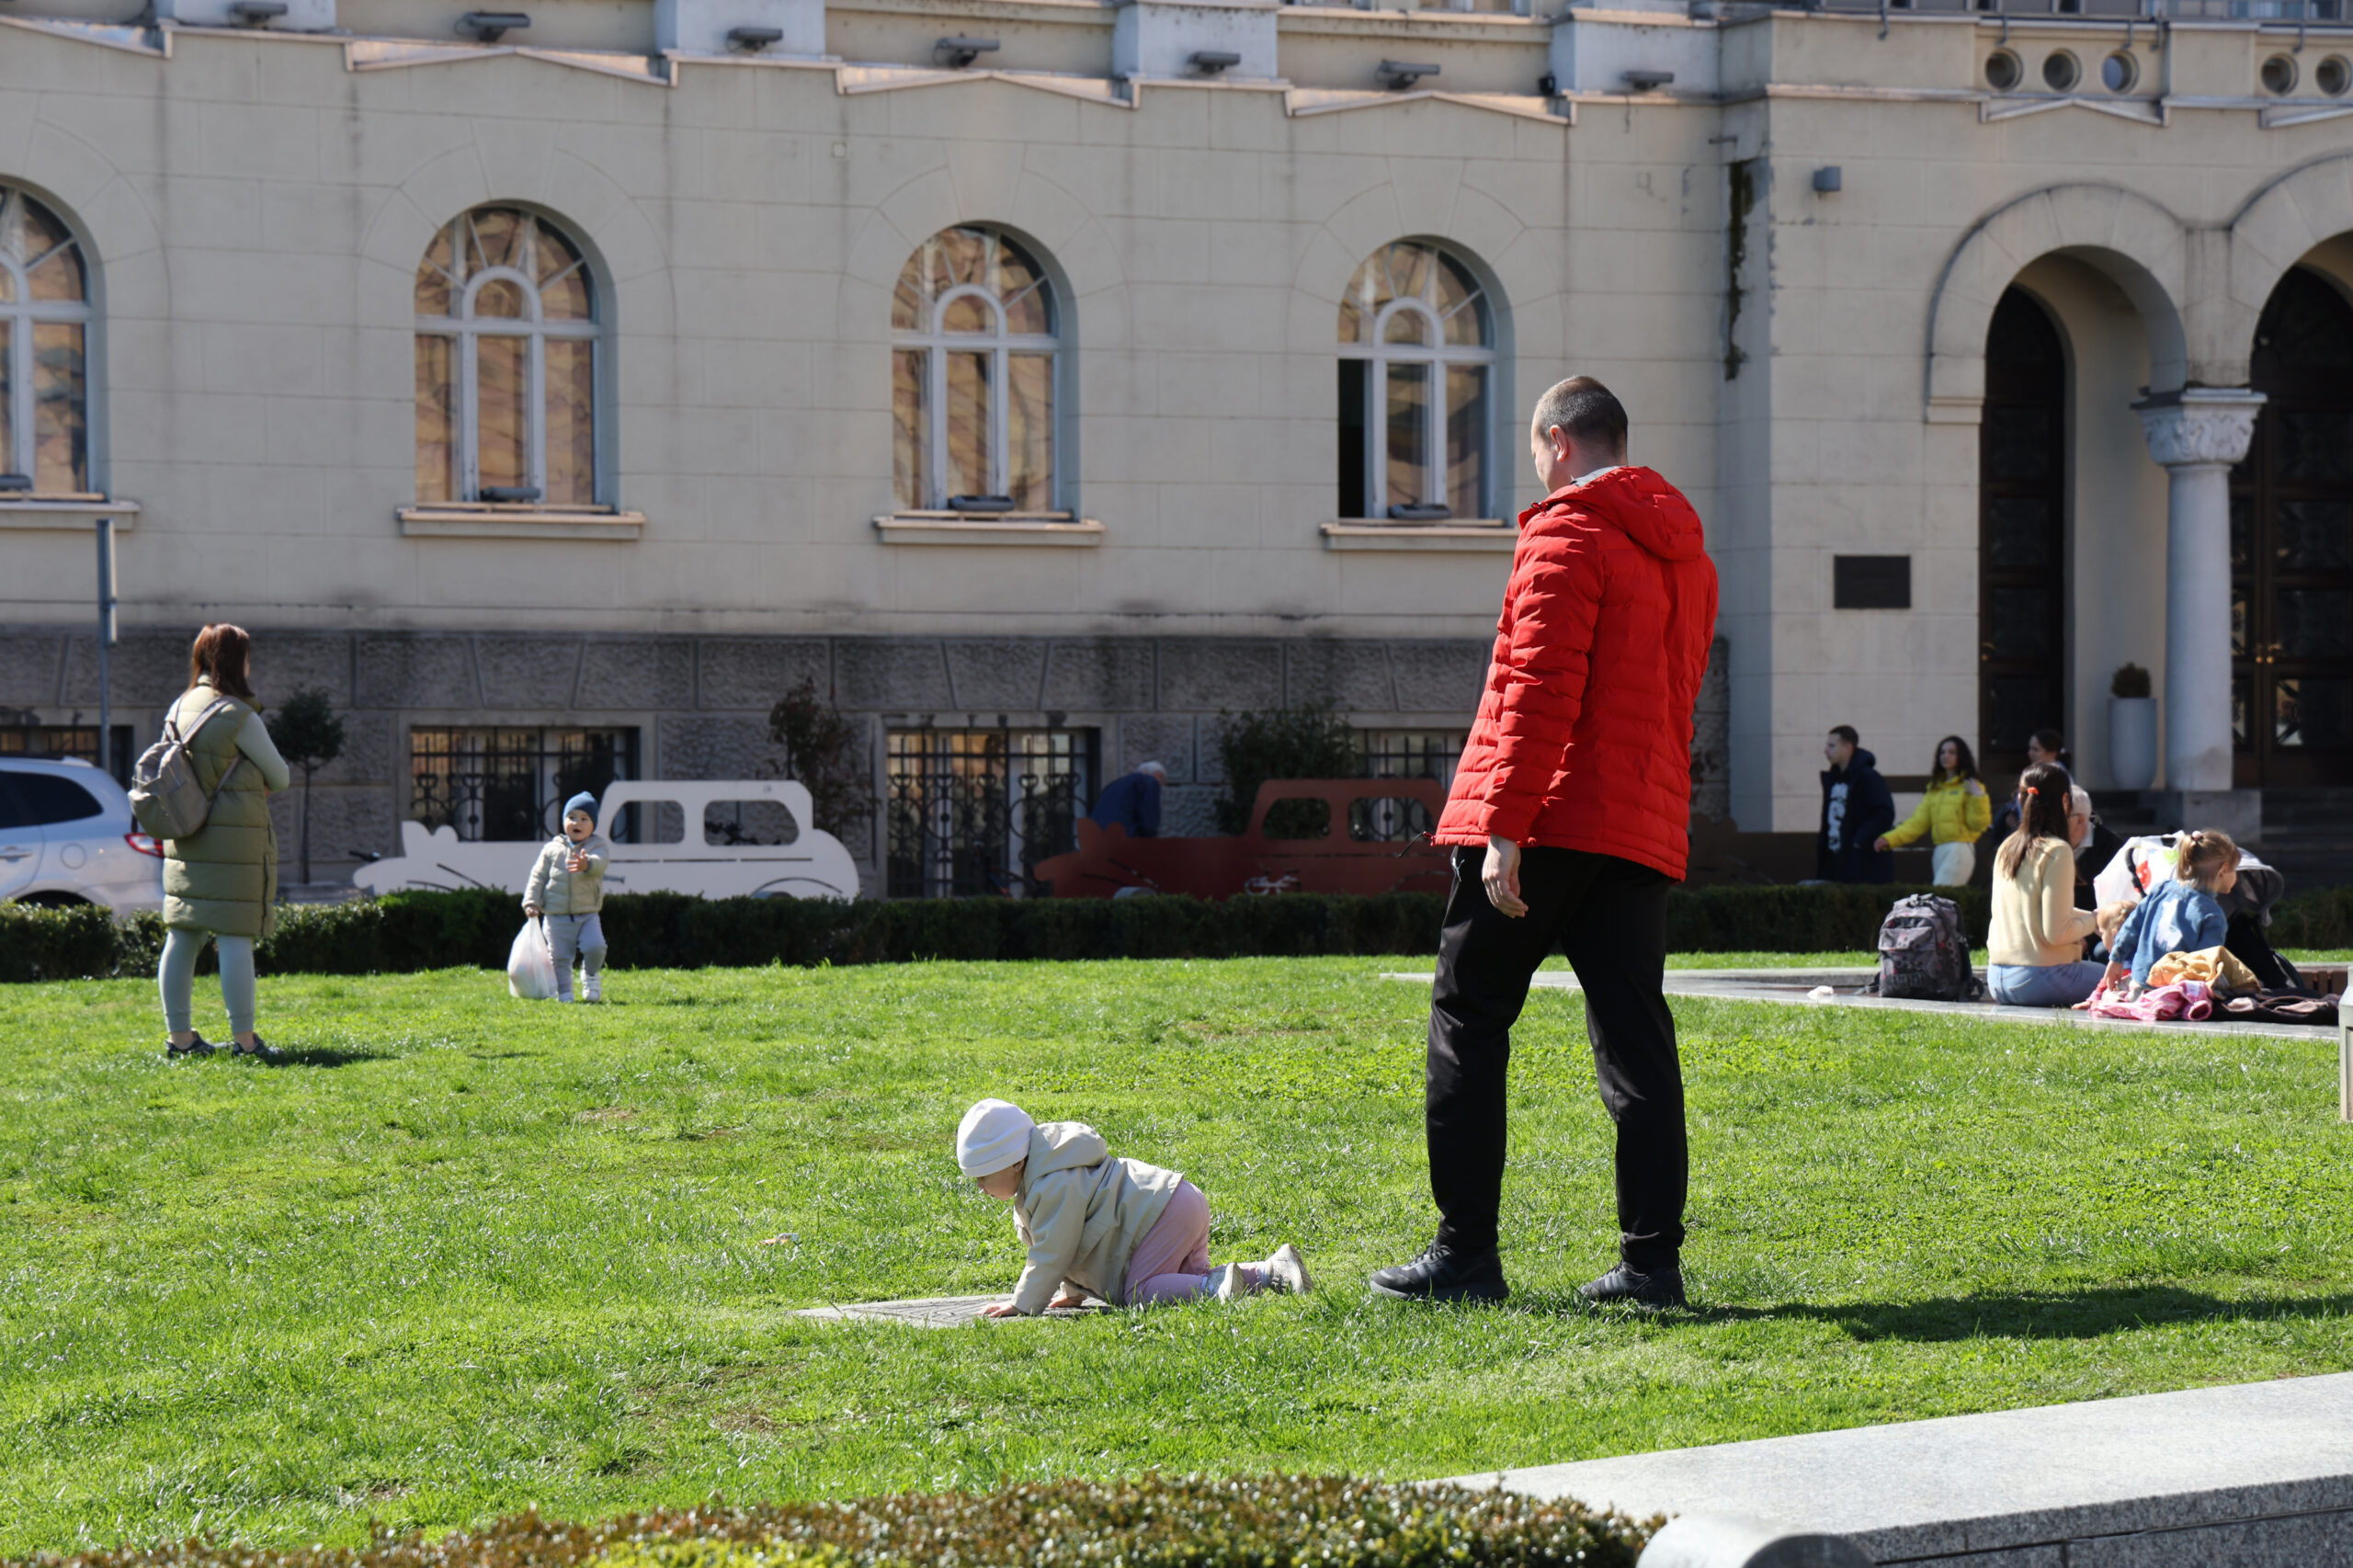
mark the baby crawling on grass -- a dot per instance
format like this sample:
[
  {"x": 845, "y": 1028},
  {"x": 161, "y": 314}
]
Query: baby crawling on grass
[{"x": 1095, "y": 1225}]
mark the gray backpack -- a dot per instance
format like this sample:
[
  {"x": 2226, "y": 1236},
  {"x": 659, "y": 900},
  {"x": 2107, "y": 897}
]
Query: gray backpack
[
  {"x": 166, "y": 798},
  {"x": 1924, "y": 951}
]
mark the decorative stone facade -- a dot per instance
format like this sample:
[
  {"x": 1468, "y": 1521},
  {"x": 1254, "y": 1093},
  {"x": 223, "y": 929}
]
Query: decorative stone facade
[{"x": 1805, "y": 358}]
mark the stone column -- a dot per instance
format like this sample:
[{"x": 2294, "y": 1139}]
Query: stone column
[{"x": 2198, "y": 434}]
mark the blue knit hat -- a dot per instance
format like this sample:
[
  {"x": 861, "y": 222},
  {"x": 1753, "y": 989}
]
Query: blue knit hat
[{"x": 583, "y": 801}]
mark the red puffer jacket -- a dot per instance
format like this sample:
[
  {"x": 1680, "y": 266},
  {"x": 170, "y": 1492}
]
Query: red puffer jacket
[{"x": 1584, "y": 734}]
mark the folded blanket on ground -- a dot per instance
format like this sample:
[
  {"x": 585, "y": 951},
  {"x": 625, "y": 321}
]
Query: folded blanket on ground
[
  {"x": 2190, "y": 999},
  {"x": 2217, "y": 967}
]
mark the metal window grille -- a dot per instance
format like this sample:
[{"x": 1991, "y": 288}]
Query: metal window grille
[
  {"x": 1401, "y": 754},
  {"x": 971, "y": 812},
  {"x": 54, "y": 743},
  {"x": 502, "y": 785}
]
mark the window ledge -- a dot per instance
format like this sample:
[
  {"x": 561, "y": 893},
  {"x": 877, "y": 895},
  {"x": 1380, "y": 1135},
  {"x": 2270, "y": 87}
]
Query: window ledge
[
  {"x": 63, "y": 513},
  {"x": 1010, "y": 528},
  {"x": 487, "y": 520},
  {"x": 1458, "y": 537}
]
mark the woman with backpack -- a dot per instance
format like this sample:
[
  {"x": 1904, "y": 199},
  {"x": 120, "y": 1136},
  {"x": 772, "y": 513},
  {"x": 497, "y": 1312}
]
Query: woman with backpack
[
  {"x": 2035, "y": 949},
  {"x": 220, "y": 881}
]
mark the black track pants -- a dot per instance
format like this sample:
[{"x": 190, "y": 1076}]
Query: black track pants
[{"x": 1609, "y": 916}]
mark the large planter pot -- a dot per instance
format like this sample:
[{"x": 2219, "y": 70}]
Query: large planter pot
[{"x": 2133, "y": 741}]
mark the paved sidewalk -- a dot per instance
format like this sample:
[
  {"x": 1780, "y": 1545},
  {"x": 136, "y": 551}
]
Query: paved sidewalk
[
  {"x": 2253, "y": 1474},
  {"x": 1790, "y": 985},
  {"x": 930, "y": 1312}
]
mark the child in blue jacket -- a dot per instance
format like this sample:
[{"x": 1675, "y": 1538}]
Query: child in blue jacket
[{"x": 2184, "y": 915}]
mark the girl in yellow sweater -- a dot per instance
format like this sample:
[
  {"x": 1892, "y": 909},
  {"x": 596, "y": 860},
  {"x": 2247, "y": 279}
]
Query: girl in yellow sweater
[{"x": 1954, "y": 813}]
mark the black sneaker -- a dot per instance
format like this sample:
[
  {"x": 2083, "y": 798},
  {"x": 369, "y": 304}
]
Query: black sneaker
[
  {"x": 260, "y": 1051},
  {"x": 1445, "y": 1274},
  {"x": 199, "y": 1046},
  {"x": 1662, "y": 1289}
]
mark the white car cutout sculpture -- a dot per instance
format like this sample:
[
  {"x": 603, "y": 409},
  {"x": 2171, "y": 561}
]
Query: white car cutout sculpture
[{"x": 814, "y": 865}]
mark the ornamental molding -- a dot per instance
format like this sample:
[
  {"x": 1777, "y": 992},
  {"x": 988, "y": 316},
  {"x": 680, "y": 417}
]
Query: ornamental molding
[{"x": 2201, "y": 426}]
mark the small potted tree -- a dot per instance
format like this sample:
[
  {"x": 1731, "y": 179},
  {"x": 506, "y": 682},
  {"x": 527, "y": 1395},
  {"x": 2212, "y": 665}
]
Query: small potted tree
[{"x": 2131, "y": 729}]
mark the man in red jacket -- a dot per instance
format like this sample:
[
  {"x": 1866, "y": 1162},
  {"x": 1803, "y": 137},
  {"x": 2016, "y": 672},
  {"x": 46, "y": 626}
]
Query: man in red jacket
[{"x": 1571, "y": 816}]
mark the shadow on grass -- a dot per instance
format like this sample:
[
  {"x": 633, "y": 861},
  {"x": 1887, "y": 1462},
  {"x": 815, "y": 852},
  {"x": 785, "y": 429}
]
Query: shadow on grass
[
  {"x": 2034, "y": 1314},
  {"x": 2040, "y": 1314},
  {"x": 326, "y": 1056}
]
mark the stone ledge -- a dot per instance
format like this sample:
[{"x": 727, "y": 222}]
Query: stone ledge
[
  {"x": 67, "y": 514},
  {"x": 919, "y": 528},
  {"x": 1455, "y": 536},
  {"x": 2257, "y": 1469},
  {"x": 519, "y": 522}
]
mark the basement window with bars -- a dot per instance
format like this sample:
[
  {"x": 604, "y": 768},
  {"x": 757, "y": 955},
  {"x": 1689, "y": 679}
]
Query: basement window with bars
[
  {"x": 971, "y": 812},
  {"x": 56, "y": 743},
  {"x": 1401, "y": 754},
  {"x": 497, "y": 784}
]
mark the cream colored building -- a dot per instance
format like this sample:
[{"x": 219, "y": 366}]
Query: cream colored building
[{"x": 1042, "y": 379}]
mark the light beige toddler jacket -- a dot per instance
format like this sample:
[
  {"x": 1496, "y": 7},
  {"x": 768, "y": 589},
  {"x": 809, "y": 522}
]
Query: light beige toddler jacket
[{"x": 1081, "y": 1213}]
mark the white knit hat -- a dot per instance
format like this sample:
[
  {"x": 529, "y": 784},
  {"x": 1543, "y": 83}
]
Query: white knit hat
[{"x": 993, "y": 1135}]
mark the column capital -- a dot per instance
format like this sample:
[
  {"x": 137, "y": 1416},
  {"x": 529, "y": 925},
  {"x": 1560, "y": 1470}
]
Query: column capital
[{"x": 2200, "y": 425}]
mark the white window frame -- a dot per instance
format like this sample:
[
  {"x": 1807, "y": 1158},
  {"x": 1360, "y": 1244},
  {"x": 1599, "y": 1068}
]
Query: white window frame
[
  {"x": 936, "y": 344},
  {"x": 1440, "y": 355},
  {"x": 466, "y": 329},
  {"x": 19, "y": 310}
]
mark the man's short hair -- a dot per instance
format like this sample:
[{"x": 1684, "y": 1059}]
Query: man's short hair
[
  {"x": 1847, "y": 734},
  {"x": 1587, "y": 410}
]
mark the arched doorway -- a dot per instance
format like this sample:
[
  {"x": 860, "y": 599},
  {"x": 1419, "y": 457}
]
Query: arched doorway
[
  {"x": 2022, "y": 534},
  {"x": 2292, "y": 546}
]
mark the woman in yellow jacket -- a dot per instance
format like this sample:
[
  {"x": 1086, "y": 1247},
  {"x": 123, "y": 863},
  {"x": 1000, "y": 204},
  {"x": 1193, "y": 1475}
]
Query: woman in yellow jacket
[{"x": 1954, "y": 813}]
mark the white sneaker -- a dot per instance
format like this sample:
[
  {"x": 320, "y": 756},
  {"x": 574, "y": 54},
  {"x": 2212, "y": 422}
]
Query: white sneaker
[
  {"x": 1228, "y": 1282},
  {"x": 592, "y": 988},
  {"x": 1287, "y": 1270}
]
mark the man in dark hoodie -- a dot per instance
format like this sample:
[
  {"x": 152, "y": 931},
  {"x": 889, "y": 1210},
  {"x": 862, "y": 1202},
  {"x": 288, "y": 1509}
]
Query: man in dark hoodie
[
  {"x": 1856, "y": 810},
  {"x": 1570, "y": 816}
]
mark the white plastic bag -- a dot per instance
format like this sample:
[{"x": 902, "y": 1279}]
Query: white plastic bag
[{"x": 531, "y": 963}]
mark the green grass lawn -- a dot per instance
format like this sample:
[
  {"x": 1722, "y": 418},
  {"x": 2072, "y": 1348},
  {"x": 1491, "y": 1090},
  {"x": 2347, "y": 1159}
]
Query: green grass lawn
[{"x": 471, "y": 1253}]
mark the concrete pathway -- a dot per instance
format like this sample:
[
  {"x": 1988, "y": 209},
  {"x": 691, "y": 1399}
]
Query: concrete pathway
[
  {"x": 1790, "y": 985},
  {"x": 2254, "y": 1474},
  {"x": 930, "y": 1312}
]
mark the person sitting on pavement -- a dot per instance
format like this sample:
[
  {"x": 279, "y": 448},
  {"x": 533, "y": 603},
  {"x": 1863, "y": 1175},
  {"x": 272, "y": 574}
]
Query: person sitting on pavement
[
  {"x": 1857, "y": 809},
  {"x": 1132, "y": 802},
  {"x": 2034, "y": 948},
  {"x": 1952, "y": 813},
  {"x": 2182, "y": 915}
]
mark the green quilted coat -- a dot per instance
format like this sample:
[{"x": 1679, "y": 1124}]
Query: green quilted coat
[{"x": 223, "y": 879}]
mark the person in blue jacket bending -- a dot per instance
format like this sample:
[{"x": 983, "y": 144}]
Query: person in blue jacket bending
[{"x": 1132, "y": 802}]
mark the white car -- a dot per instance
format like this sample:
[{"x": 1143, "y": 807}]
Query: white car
[
  {"x": 700, "y": 856},
  {"x": 67, "y": 836}
]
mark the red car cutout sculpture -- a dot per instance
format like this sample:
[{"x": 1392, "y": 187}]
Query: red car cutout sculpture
[{"x": 1371, "y": 837}]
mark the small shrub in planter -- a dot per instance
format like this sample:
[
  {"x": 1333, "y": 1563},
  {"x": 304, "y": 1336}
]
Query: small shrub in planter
[
  {"x": 2130, "y": 680},
  {"x": 1150, "y": 1522}
]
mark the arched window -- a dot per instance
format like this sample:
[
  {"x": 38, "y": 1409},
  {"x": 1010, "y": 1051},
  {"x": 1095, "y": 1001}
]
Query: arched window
[
  {"x": 973, "y": 337},
  {"x": 44, "y": 351},
  {"x": 1416, "y": 350},
  {"x": 506, "y": 336}
]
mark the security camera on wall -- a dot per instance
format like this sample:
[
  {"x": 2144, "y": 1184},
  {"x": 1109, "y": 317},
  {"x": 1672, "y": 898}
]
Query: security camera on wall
[{"x": 274, "y": 16}]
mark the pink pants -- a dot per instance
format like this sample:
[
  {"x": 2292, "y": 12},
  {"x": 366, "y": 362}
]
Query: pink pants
[{"x": 1173, "y": 1259}]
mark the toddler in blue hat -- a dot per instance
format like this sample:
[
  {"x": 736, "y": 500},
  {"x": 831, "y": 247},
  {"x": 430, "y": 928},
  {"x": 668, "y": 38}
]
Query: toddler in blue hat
[{"x": 567, "y": 888}]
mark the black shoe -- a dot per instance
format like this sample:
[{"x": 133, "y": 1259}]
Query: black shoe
[
  {"x": 1445, "y": 1274},
  {"x": 1662, "y": 1289},
  {"x": 261, "y": 1051},
  {"x": 199, "y": 1046}
]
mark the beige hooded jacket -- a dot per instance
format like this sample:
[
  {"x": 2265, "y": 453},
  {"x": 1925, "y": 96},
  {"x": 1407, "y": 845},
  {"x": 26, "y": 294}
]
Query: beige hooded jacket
[{"x": 1081, "y": 1213}]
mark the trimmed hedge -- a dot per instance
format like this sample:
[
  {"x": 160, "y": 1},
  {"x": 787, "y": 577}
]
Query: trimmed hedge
[
  {"x": 1150, "y": 1522},
  {"x": 404, "y": 932}
]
